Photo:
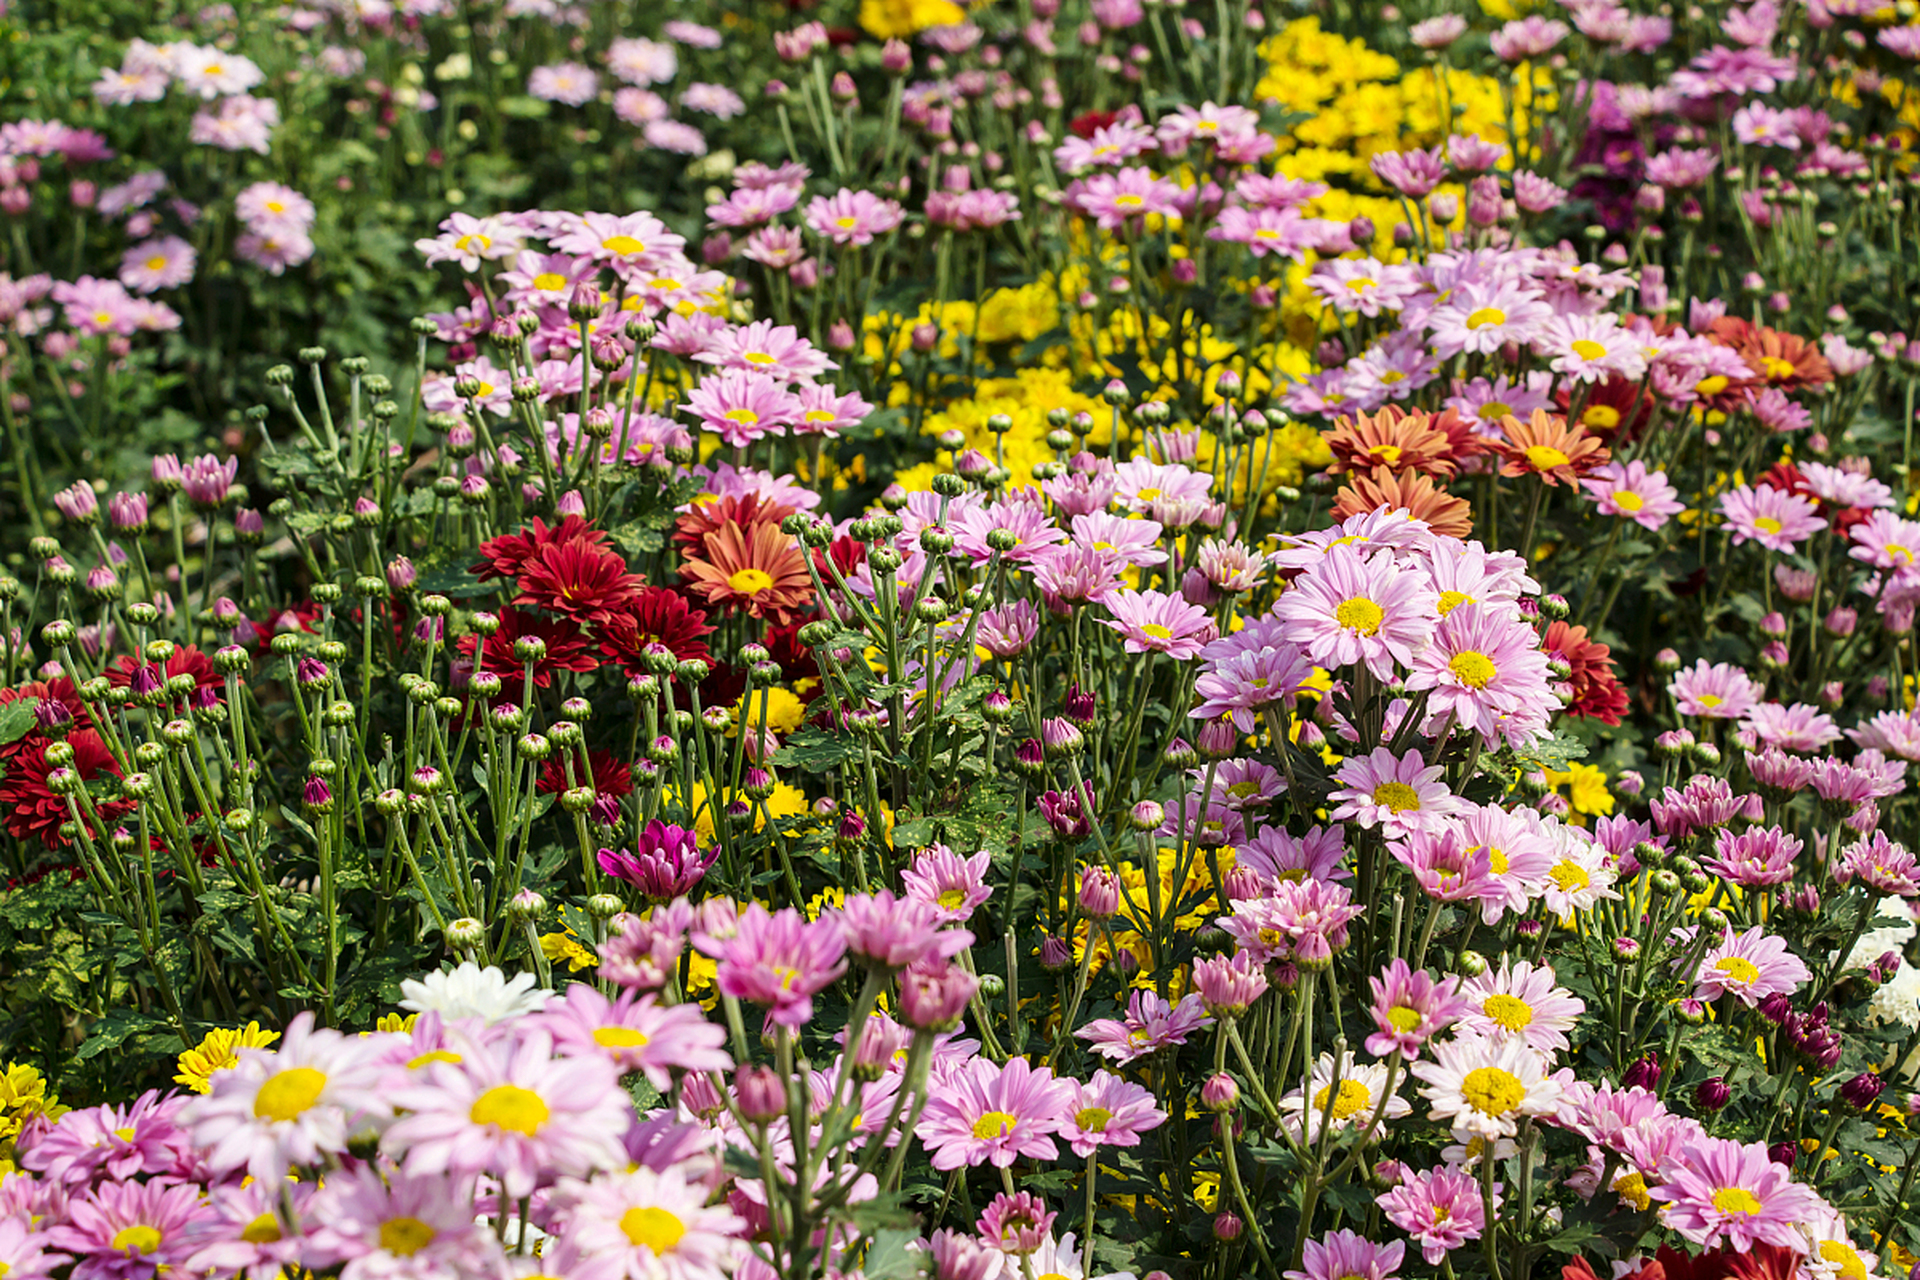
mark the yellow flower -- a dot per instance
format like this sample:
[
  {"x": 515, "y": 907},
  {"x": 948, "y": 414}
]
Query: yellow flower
[
  {"x": 1586, "y": 786},
  {"x": 783, "y": 710},
  {"x": 885, "y": 19},
  {"x": 24, "y": 1095},
  {"x": 218, "y": 1052},
  {"x": 566, "y": 945},
  {"x": 785, "y": 802},
  {"x": 396, "y": 1022}
]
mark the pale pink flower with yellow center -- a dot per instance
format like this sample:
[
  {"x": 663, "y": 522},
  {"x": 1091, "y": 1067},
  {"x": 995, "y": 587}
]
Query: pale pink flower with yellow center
[{"x": 1398, "y": 794}]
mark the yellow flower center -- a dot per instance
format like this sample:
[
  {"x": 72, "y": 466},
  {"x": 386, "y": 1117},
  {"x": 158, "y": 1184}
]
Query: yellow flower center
[
  {"x": 1495, "y": 409},
  {"x": 1627, "y": 501},
  {"x": 846, "y": 224},
  {"x": 1732, "y": 1200},
  {"x": 156, "y": 262},
  {"x": 1709, "y": 700},
  {"x": 759, "y": 357},
  {"x": 1570, "y": 876},
  {"x": 1397, "y": 796},
  {"x": 1266, "y": 233},
  {"x": 1776, "y": 369},
  {"x": 1509, "y": 1013},
  {"x": 1603, "y": 417},
  {"x": 1492, "y": 1091},
  {"x": 750, "y": 582},
  {"x": 619, "y": 1038},
  {"x": 1497, "y": 860},
  {"x": 623, "y": 245},
  {"x": 951, "y": 898},
  {"x": 1588, "y": 349},
  {"x": 1473, "y": 668},
  {"x": 549, "y": 282},
  {"x": 1632, "y": 1188},
  {"x": 126, "y": 1134},
  {"x": 818, "y": 415},
  {"x": 745, "y": 417},
  {"x": 1353, "y": 1098},
  {"x": 1451, "y": 600},
  {"x": 433, "y": 1055},
  {"x": 1129, "y": 201},
  {"x": 1093, "y": 1119},
  {"x": 1360, "y": 615},
  {"x": 276, "y": 206},
  {"x": 264, "y": 1229},
  {"x": 1712, "y": 386},
  {"x": 1361, "y": 285},
  {"x": 1544, "y": 457},
  {"x": 138, "y": 1238},
  {"x": 1157, "y": 631},
  {"x": 1486, "y": 316},
  {"x": 1766, "y": 524},
  {"x": 508, "y": 1106},
  {"x": 651, "y": 1227},
  {"x": 289, "y": 1093},
  {"x": 1842, "y": 1255},
  {"x": 993, "y": 1124},
  {"x": 405, "y": 1236},
  {"x": 1738, "y": 969},
  {"x": 1387, "y": 453},
  {"x": 1404, "y": 1020}
]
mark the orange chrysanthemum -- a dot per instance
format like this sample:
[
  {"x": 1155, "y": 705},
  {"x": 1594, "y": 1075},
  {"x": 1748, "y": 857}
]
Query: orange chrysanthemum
[
  {"x": 755, "y": 568},
  {"x": 1415, "y": 494},
  {"x": 1546, "y": 446},
  {"x": 1397, "y": 440},
  {"x": 1781, "y": 360}
]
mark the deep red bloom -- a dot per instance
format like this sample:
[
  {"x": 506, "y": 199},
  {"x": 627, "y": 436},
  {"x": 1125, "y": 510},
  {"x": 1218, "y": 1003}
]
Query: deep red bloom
[
  {"x": 186, "y": 660},
  {"x": 655, "y": 615},
  {"x": 798, "y": 671},
  {"x": 582, "y": 580},
  {"x": 1090, "y": 123},
  {"x": 1596, "y": 692},
  {"x": 1614, "y": 410},
  {"x": 566, "y": 648},
  {"x": 847, "y": 554},
  {"x": 28, "y": 807},
  {"x": 502, "y": 557},
  {"x": 1786, "y": 477},
  {"x": 611, "y": 777}
]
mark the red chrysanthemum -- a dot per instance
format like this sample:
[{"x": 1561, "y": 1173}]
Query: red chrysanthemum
[
  {"x": 502, "y": 557},
  {"x": 566, "y": 649},
  {"x": 656, "y": 615},
  {"x": 28, "y": 807},
  {"x": 611, "y": 777},
  {"x": 798, "y": 670},
  {"x": 580, "y": 580},
  {"x": 754, "y": 568},
  {"x": 1089, "y": 123},
  {"x": 1596, "y": 692},
  {"x": 1614, "y": 410},
  {"x": 187, "y": 660},
  {"x": 846, "y": 553}
]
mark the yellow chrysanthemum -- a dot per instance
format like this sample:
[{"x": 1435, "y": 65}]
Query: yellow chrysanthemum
[
  {"x": 887, "y": 19},
  {"x": 1586, "y": 789},
  {"x": 401, "y": 1023},
  {"x": 218, "y": 1051},
  {"x": 566, "y": 945},
  {"x": 24, "y": 1095},
  {"x": 784, "y": 711}
]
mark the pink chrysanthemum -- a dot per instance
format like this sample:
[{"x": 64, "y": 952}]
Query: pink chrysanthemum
[
  {"x": 1151, "y": 1024},
  {"x": 1775, "y": 518},
  {"x": 1343, "y": 1255},
  {"x": 990, "y": 1114},
  {"x": 646, "y": 1225},
  {"x": 635, "y": 1034},
  {"x": 1350, "y": 610},
  {"x": 1754, "y": 858},
  {"x": 1630, "y": 490},
  {"x": 1440, "y": 1208},
  {"x": 954, "y": 884},
  {"x": 1883, "y": 865},
  {"x": 1732, "y": 1193},
  {"x": 130, "y": 1230},
  {"x": 1749, "y": 967},
  {"x": 779, "y": 959},
  {"x": 1315, "y": 855},
  {"x": 1108, "y": 1112},
  {"x": 1409, "y": 1008},
  {"x": 1486, "y": 673},
  {"x": 852, "y": 217},
  {"x": 1720, "y": 691},
  {"x": 1398, "y": 794},
  {"x": 1520, "y": 1002},
  {"x": 1155, "y": 622},
  {"x": 397, "y": 1226}
]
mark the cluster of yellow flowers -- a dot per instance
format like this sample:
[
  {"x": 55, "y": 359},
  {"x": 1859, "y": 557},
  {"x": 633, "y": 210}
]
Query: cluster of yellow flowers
[{"x": 23, "y": 1095}]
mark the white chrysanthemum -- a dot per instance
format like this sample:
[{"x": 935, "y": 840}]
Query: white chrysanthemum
[
  {"x": 1895, "y": 932},
  {"x": 1483, "y": 1088},
  {"x": 1898, "y": 1000},
  {"x": 1580, "y": 876},
  {"x": 1352, "y": 1104},
  {"x": 472, "y": 992},
  {"x": 1059, "y": 1260}
]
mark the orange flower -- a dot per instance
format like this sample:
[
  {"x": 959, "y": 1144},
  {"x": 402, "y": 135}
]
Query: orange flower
[
  {"x": 1545, "y": 446},
  {"x": 1415, "y": 494},
  {"x": 1397, "y": 440},
  {"x": 752, "y": 567},
  {"x": 1779, "y": 359}
]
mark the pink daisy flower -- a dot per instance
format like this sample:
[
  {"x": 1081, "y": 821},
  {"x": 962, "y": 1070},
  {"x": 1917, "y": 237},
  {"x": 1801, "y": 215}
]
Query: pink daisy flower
[
  {"x": 1343, "y": 1255},
  {"x": 1717, "y": 692},
  {"x": 1108, "y": 1112},
  {"x": 778, "y": 959},
  {"x": 1886, "y": 541},
  {"x": 852, "y": 217},
  {"x": 1482, "y": 316},
  {"x": 764, "y": 347},
  {"x": 160, "y": 263},
  {"x": 1112, "y": 199},
  {"x": 1774, "y": 518},
  {"x": 1447, "y": 865},
  {"x": 398, "y": 1226},
  {"x": 1349, "y": 610},
  {"x": 126, "y": 1230},
  {"x": 1137, "y": 542},
  {"x": 1151, "y": 1024},
  {"x": 646, "y": 1224},
  {"x": 1156, "y": 622},
  {"x": 1409, "y": 1008},
  {"x": 826, "y": 412},
  {"x": 1881, "y": 864},
  {"x": 1440, "y": 1208},
  {"x": 954, "y": 884},
  {"x": 514, "y": 1111},
  {"x": 1484, "y": 1088},
  {"x": 1264, "y": 231},
  {"x": 1278, "y": 855},
  {"x": 741, "y": 407},
  {"x": 268, "y": 207},
  {"x": 1732, "y": 1193},
  {"x": 1520, "y": 1002},
  {"x": 1398, "y": 794},
  {"x": 984, "y": 1113},
  {"x": 1630, "y": 490},
  {"x": 567, "y": 83},
  {"x": 634, "y": 241},
  {"x": 1754, "y": 858},
  {"x": 1240, "y": 685},
  {"x": 1797, "y": 727},
  {"x": 121, "y": 1141},
  {"x": 1486, "y": 673},
  {"x": 635, "y": 1034},
  {"x": 1520, "y": 856},
  {"x": 1749, "y": 967}
]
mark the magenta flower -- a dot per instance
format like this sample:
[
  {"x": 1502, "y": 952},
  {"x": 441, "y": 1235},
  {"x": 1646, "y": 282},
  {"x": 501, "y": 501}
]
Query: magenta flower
[
  {"x": 1487, "y": 673},
  {"x": 986, "y": 1113},
  {"x": 1775, "y": 518},
  {"x": 953, "y": 884},
  {"x": 1440, "y": 1208},
  {"x": 1880, "y": 863},
  {"x": 635, "y": 1034},
  {"x": 1413, "y": 174},
  {"x": 1732, "y": 1193},
  {"x": 1754, "y": 858},
  {"x": 1314, "y": 855},
  {"x": 1016, "y": 1223},
  {"x": 1750, "y": 967},
  {"x": 398, "y": 1225},
  {"x": 1282, "y": 232},
  {"x": 121, "y": 1141},
  {"x": 1342, "y": 1255},
  {"x": 1630, "y": 490},
  {"x": 852, "y": 217},
  {"x": 1398, "y": 794},
  {"x": 892, "y": 933},
  {"x": 778, "y": 959},
  {"x": 648, "y": 1222},
  {"x": 666, "y": 864},
  {"x": 1409, "y": 1008},
  {"x": 741, "y": 407},
  {"x": 1151, "y": 1024},
  {"x": 567, "y": 83},
  {"x": 206, "y": 480},
  {"x": 1520, "y": 1002},
  {"x": 1717, "y": 692},
  {"x": 1796, "y": 727},
  {"x": 1112, "y": 199},
  {"x": 160, "y": 263},
  {"x": 1156, "y": 622},
  {"x": 1227, "y": 986},
  {"x": 764, "y": 347},
  {"x": 130, "y": 1230},
  {"x": 1448, "y": 866}
]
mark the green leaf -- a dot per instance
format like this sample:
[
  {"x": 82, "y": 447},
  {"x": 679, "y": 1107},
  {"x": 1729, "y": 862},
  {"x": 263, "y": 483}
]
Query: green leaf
[
  {"x": 116, "y": 1029},
  {"x": 888, "y": 1258},
  {"x": 16, "y": 720}
]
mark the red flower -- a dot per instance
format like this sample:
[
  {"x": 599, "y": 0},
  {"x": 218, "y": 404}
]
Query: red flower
[
  {"x": 503, "y": 557},
  {"x": 1613, "y": 410},
  {"x": 566, "y": 649},
  {"x": 1085, "y": 126},
  {"x": 1596, "y": 693},
  {"x": 28, "y": 807},
  {"x": 187, "y": 661},
  {"x": 655, "y": 616},
  {"x": 60, "y": 690},
  {"x": 611, "y": 777},
  {"x": 582, "y": 580}
]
